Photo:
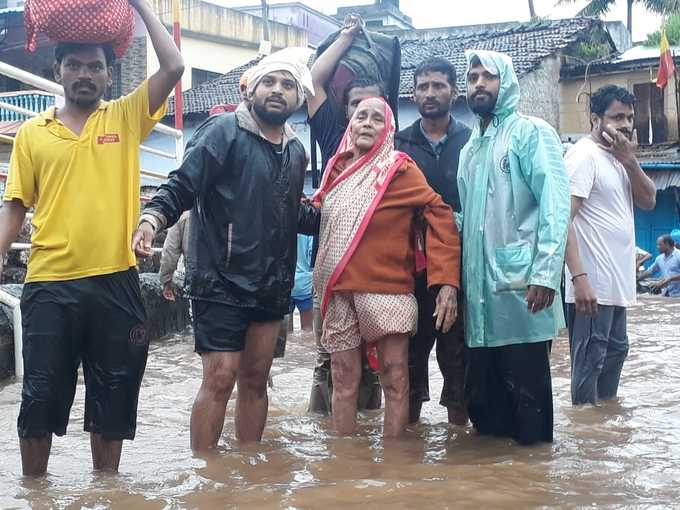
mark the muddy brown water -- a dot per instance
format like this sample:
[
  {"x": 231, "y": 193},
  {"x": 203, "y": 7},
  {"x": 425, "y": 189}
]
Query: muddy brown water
[{"x": 625, "y": 454}]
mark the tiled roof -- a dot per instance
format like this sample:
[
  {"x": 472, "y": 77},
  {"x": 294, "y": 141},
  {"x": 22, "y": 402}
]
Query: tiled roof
[
  {"x": 221, "y": 90},
  {"x": 527, "y": 43},
  {"x": 668, "y": 152}
]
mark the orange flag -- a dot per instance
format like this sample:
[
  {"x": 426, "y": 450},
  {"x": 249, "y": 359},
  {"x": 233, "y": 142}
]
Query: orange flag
[{"x": 666, "y": 64}]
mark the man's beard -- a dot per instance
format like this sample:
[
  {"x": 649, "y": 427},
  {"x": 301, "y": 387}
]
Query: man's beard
[
  {"x": 441, "y": 111},
  {"x": 272, "y": 118},
  {"x": 84, "y": 102},
  {"x": 624, "y": 132},
  {"x": 483, "y": 108}
]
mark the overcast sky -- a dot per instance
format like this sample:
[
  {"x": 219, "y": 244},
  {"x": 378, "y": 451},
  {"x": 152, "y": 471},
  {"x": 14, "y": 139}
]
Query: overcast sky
[{"x": 438, "y": 13}]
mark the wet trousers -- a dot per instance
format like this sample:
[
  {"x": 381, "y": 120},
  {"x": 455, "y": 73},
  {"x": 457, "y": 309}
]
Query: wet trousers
[
  {"x": 509, "y": 391},
  {"x": 598, "y": 347},
  {"x": 450, "y": 355}
]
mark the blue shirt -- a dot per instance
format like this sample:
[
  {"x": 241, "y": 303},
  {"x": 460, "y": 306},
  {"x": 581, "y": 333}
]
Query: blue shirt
[
  {"x": 668, "y": 265},
  {"x": 303, "y": 269},
  {"x": 437, "y": 146}
]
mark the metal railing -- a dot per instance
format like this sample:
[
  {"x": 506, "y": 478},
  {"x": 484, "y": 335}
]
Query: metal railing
[
  {"x": 26, "y": 107},
  {"x": 30, "y": 100},
  {"x": 57, "y": 90},
  {"x": 11, "y": 301}
]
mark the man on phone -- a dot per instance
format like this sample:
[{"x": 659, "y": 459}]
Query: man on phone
[{"x": 605, "y": 180}]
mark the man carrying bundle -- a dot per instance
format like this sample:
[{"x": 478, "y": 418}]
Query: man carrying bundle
[{"x": 78, "y": 166}]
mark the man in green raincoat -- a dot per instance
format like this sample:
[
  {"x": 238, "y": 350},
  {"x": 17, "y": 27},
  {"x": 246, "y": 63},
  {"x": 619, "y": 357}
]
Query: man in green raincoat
[{"x": 514, "y": 194}]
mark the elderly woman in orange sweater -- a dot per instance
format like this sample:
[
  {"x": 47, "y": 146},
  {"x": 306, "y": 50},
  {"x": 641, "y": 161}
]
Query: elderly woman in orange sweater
[{"x": 373, "y": 201}]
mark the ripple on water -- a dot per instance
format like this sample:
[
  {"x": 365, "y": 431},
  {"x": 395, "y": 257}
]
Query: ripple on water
[{"x": 624, "y": 453}]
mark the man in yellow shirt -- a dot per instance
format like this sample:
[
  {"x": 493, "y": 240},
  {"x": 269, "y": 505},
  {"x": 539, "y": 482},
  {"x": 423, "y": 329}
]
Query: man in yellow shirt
[{"x": 78, "y": 167}]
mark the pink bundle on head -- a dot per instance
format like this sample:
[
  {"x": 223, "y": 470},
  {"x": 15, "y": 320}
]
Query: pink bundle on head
[{"x": 80, "y": 21}]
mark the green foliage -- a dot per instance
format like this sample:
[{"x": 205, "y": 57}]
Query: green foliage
[
  {"x": 591, "y": 50},
  {"x": 672, "y": 32},
  {"x": 601, "y": 7}
]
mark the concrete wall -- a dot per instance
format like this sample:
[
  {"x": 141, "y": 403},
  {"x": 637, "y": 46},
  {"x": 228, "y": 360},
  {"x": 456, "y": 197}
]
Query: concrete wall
[
  {"x": 132, "y": 67},
  {"x": 574, "y": 118},
  {"x": 317, "y": 25},
  {"x": 163, "y": 318},
  {"x": 540, "y": 92},
  {"x": 209, "y": 55}
]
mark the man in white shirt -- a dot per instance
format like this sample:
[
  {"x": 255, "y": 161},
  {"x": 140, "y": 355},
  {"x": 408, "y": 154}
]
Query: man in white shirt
[{"x": 606, "y": 180}]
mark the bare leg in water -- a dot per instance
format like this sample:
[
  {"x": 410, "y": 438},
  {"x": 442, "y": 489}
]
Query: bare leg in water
[
  {"x": 35, "y": 453},
  {"x": 252, "y": 401},
  {"x": 346, "y": 374},
  {"x": 105, "y": 453},
  {"x": 220, "y": 370},
  {"x": 394, "y": 377}
]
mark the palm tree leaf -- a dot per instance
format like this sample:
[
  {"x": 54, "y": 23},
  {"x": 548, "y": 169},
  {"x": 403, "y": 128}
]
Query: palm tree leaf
[
  {"x": 597, "y": 8},
  {"x": 662, "y": 6}
]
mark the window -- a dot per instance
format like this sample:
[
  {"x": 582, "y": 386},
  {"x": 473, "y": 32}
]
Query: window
[
  {"x": 650, "y": 119},
  {"x": 199, "y": 76}
]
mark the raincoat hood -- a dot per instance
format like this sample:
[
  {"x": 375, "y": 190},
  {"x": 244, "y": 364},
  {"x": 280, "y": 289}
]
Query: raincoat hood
[{"x": 500, "y": 65}]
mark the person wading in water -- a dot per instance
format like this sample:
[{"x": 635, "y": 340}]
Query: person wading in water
[{"x": 78, "y": 166}]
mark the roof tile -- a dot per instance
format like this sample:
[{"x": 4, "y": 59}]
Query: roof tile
[{"x": 526, "y": 43}]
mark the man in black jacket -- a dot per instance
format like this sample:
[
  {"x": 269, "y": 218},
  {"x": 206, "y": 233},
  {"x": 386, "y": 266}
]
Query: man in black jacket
[
  {"x": 434, "y": 142},
  {"x": 242, "y": 177}
]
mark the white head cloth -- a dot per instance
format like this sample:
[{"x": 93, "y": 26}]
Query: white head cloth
[{"x": 283, "y": 61}]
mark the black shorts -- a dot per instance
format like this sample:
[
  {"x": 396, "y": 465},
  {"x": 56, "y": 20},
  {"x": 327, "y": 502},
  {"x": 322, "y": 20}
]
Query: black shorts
[
  {"x": 97, "y": 320},
  {"x": 219, "y": 327}
]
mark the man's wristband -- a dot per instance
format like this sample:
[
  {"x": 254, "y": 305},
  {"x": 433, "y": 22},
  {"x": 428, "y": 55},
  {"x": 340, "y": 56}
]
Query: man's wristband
[{"x": 578, "y": 276}]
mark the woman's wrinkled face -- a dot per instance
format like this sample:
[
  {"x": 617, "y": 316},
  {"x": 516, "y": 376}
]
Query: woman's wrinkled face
[{"x": 368, "y": 124}]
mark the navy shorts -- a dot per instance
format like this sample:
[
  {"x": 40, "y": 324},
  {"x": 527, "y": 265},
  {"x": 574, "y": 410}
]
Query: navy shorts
[
  {"x": 219, "y": 327},
  {"x": 302, "y": 304},
  {"x": 98, "y": 320}
]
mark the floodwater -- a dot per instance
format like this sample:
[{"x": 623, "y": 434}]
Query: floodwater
[{"x": 623, "y": 454}]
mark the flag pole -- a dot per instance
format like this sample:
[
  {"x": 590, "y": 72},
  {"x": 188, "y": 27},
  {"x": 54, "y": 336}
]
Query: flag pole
[
  {"x": 677, "y": 95},
  {"x": 177, "y": 35}
]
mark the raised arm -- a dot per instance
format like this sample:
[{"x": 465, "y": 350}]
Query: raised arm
[
  {"x": 325, "y": 65},
  {"x": 169, "y": 57}
]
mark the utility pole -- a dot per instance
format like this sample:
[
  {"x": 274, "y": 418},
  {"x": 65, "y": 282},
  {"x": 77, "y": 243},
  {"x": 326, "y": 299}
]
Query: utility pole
[
  {"x": 265, "y": 21},
  {"x": 177, "y": 35},
  {"x": 532, "y": 9},
  {"x": 265, "y": 43}
]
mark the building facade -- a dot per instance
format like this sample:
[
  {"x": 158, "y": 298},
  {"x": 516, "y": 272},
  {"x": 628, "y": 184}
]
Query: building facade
[
  {"x": 317, "y": 25},
  {"x": 216, "y": 39}
]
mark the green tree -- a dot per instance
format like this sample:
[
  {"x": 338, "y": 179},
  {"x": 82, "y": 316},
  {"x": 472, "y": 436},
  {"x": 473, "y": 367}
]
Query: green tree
[
  {"x": 672, "y": 32},
  {"x": 600, "y": 7}
]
